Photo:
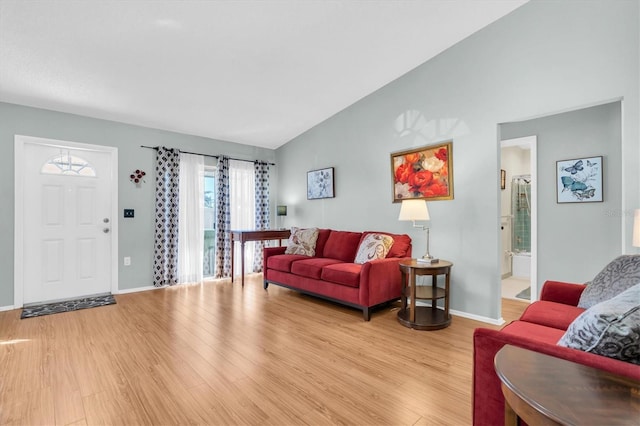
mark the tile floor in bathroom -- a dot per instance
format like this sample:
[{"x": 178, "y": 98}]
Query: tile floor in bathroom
[{"x": 512, "y": 286}]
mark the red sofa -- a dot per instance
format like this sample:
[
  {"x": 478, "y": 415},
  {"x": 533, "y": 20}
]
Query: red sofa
[
  {"x": 539, "y": 328},
  {"x": 332, "y": 275}
]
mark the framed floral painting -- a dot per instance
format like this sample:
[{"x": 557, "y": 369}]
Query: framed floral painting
[
  {"x": 320, "y": 184},
  {"x": 423, "y": 173}
]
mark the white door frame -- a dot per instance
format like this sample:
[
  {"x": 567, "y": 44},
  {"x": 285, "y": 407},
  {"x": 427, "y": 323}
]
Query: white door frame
[
  {"x": 531, "y": 142},
  {"x": 18, "y": 264}
]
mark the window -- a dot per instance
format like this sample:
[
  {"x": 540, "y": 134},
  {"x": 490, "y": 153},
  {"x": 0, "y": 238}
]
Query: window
[
  {"x": 209, "y": 222},
  {"x": 67, "y": 164},
  {"x": 242, "y": 206}
]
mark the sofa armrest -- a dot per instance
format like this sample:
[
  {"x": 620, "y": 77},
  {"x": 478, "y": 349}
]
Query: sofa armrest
[
  {"x": 488, "y": 401},
  {"x": 561, "y": 292},
  {"x": 380, "y": 281},
  {"x": 270, "y": 251}
]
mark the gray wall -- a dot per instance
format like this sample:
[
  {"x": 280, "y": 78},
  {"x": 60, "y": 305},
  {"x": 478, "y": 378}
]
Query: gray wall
[
  {"x": 135, "y": 235},
  {"x": 576, "y": 240},
  {"x": 544, "y": 58}
]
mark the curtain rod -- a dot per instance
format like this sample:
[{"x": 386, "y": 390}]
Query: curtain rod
[{"x": 206, "y": 155}]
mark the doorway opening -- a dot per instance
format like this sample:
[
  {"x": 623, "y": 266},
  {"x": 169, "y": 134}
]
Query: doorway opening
[{"x": 518, "y": 219}]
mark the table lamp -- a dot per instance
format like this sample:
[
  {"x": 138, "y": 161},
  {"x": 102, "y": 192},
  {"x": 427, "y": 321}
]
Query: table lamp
[
  {"x": 417, "y": 210},
  {"x": 281, "y": 211}
]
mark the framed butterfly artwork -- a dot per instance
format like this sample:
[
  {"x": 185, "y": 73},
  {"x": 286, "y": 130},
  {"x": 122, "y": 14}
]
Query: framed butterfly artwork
[{"x": 579, "y": 180}]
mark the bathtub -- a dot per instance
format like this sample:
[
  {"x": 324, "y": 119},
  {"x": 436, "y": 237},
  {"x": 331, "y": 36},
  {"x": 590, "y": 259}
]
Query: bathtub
[{"x": 521, "y": 265}]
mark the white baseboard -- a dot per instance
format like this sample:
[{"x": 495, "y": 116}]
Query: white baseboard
[
  {"x": 492, "y": 321},
  {"x": 474, "y": 317},
  {"x": 137, "y": 289}
]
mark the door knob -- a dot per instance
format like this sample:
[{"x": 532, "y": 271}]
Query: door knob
[
  {"x": 105, "y": 220},
  {"x": 105, "y": 230}
]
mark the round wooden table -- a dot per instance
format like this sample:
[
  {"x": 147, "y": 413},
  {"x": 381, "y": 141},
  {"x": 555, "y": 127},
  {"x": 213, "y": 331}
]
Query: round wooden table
[
  {"x": 424, "y": 317},
  {"x": 544, "y": 390}
]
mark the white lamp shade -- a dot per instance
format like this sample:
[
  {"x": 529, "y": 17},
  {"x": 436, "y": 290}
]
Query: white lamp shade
[
  {"x": 414, "y": 210},
  {"x": 636, "y": 228}
]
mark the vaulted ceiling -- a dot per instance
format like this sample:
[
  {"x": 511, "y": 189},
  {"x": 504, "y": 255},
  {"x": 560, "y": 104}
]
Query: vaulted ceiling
[{"x": 253, "y": 72}]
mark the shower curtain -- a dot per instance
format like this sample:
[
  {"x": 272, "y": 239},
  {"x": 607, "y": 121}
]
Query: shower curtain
[{"x": 521, "y": 213}]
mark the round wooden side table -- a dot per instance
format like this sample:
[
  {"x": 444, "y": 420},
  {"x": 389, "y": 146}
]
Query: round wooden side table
[
  {"x": 424, "y": 317},
  {"x": 556, "y": 391}
]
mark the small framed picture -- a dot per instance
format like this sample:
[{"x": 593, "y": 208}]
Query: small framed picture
[
  {"x": 579, "y": 180},
  {"x": 320, "y": 184}
]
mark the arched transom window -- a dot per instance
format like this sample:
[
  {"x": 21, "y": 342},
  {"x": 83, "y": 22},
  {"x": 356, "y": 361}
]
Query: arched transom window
[{"x": 67, "y": 164}]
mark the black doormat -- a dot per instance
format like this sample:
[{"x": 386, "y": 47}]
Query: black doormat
[
  {"x": 67, "y": 306},
  {"x": 524, "y": 294}
]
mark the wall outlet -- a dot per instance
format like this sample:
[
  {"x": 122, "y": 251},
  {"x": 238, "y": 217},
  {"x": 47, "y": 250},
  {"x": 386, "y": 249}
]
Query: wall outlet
[
  {"x": 127, "y": 261},
  {"x": 129, "y": 212}
]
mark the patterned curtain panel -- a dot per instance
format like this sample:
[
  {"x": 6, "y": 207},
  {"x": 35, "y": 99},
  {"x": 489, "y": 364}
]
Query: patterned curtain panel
[
  {"x": 165, "y": 259},
  {"x": 223, "y": 219},
  {"x": 261, "y": 208}
]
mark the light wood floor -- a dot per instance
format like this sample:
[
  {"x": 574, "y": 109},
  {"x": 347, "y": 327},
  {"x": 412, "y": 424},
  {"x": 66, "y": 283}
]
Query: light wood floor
[{"x": 219, "y": 354}]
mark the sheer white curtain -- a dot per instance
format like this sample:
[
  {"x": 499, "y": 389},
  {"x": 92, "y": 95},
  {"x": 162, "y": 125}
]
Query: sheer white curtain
[
  {"x": 242, "y": 206},
  {"x": 191, "y": 218}
]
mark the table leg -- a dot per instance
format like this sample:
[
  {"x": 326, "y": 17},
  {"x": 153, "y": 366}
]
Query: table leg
[
  {"x": 434, "y": 301},
  {"x": 403, "y": 297},
  {"x": 412, "y": 283},
  {"x": 232, "y": 247},
  {"x": 446, "y": 295},
  {"x": 510, "y": 416},
  {"x": 242, "y": 262}
]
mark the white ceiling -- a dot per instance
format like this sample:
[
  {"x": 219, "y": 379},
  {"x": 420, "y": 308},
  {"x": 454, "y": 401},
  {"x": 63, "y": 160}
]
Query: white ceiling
[{"x": 253, "y": 72}]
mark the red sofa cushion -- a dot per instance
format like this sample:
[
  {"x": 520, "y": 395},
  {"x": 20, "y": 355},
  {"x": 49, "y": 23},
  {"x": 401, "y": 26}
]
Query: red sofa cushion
[
  {"x": 562, "y": 292},
  {"x": 342, "y": 245},
  {"x": 342, "y": 273},
  {"x": 282, "y": 262},
  {"x": 536, "y": 332},
  {"x": 336, "y": 292},
  {"x": 400, "y": 247},
  {"x": 551, "y": 314},
  {"x": 311, "y": 268},
  {"x": 323, "y": 236}
]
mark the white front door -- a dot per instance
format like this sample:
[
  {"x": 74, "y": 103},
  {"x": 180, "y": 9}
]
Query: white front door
[{"x": 67, "y": 222}]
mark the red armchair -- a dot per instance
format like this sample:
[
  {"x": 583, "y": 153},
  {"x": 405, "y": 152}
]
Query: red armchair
[{"x": 539, "y": 328}]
